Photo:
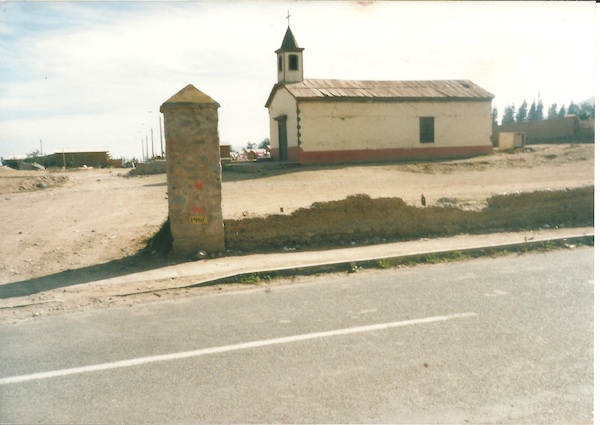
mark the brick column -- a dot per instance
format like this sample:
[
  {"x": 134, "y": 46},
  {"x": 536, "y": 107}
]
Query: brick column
[{"x": 193, "y": 172}]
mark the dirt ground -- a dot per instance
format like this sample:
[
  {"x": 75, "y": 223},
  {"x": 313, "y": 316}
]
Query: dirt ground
[{"x": 54, "y": 221}]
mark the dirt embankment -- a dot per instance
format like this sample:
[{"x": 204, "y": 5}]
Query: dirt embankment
[
  {"x": 91, "y": 224},
  {"x": 90, "y": 217},
  {"x": 360, "y": 219},
  {"x": 13, "y": 181}
]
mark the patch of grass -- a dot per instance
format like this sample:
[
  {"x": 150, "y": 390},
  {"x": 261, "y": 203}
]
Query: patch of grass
[
  {"x": 431, "y": 259},
  {"x": 384, "y": 263},
  {"x": 254, "y": 278},
  {"x": 502, "y": 253},
  {"x": 550, "y": 245},
  {"x": 251, "y": 278},
  {"x": 455, "y": 256},
  {"x": 443, "y": 257},
  {"x": 543, "y": 246},
  {"x": 452, "y": 256},
  {"x": 408, "y": 262}
]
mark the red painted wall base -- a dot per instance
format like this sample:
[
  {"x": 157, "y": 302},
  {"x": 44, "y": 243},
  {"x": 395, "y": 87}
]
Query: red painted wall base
[{"x": 296, "y": 154}]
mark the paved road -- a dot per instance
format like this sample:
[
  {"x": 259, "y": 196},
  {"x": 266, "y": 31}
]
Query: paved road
[{"x": 506, "y": 340}]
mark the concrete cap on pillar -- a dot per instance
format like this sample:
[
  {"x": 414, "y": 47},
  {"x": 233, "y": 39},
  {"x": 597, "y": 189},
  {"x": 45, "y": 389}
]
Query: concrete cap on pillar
[{"x": 189, "y": 96}]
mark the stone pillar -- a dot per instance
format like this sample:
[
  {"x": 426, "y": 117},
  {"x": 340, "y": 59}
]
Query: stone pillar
[{"x": 193, "y": 172}]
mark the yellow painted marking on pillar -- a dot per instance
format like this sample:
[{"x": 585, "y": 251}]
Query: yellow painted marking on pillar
[{"x": 199, "y": 219}]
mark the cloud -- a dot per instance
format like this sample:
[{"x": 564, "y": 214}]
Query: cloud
[
  {"x": 104, "y": 71},
  {"x": 78, "y": 73}
]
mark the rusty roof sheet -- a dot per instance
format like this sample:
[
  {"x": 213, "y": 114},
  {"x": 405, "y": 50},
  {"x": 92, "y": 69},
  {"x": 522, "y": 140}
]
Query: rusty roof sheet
[{"x": 360, "y": 89}]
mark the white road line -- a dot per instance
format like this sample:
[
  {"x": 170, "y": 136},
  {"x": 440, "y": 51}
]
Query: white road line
[{"x": 226, "y": 348}]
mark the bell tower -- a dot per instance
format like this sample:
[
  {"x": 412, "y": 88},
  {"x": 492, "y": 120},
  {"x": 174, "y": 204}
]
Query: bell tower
[{"x": 289, "y": 60}]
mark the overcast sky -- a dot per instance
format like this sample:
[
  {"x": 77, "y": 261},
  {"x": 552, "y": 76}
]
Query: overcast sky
[{"x": 94, "y": 74}]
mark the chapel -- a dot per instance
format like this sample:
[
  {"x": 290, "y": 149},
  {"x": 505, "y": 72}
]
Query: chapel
[{"x": 323, "y": 121}]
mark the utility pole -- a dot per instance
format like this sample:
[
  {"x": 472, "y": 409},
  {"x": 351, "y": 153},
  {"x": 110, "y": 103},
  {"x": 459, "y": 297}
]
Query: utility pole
[
  {"x": 162, "y": 152},
  {"x": 142, "y": 150},
  {"x": 146, "y": 148},
  {"x": 152, "y": 139}
]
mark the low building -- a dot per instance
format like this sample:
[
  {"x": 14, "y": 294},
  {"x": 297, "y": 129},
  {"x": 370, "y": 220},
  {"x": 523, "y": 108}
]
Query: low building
[
  {"x": 16, "y": 162},
  {"x": 68, "y": 158},
  {"x": 78, "y": 158},
  {"x": 511, "y": 141},
  {"x": 567, "y": 129},
  {"x": 225, "y": 151}
]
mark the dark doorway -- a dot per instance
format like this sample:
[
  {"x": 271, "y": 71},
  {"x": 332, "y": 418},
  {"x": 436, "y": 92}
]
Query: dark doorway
[{"x": 282, "y": 137}]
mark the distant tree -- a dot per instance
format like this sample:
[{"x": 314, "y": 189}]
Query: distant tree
[
  {"x": 553, "y": 111},
  {"x": 494, "y": 116},
  {"x": 251, "y": 145},
  {"x": 509, "y": 115},
  {"x": 562, "y": 112},
  {"x": 532, "y": 114},
  {"x": 540, "y": 110},
  {"x": 35, "y": 156},
  {"x": 586, "y": 111},
  {"x": 573, "y": 109},
  {"x": 263, "y": 145},
  {"x": 522, "y": 113}
]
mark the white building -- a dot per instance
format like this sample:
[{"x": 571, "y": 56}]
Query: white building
[{"x": 328, "y": 121}]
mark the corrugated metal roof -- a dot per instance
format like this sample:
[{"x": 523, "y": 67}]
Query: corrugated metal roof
[
  {"x": 80, "y": 150},
  {"x": 440, "y": 89}
]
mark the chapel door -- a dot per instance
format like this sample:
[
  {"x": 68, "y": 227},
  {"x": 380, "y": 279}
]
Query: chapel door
[{"x": 282, "y": 135}]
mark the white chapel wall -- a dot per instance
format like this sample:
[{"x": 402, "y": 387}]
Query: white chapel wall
[
  {"x": 347, "y": 125},
  {"x": 283, "y": 103}
]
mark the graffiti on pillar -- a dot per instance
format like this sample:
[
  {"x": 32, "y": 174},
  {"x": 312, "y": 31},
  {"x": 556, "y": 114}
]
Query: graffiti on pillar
[
  {"x": 198, "y": 210},
  {"x": 198, "y": 185}
]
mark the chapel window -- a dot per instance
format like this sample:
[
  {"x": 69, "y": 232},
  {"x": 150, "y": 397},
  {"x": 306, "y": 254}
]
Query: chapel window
[{"x": 426, "y": 129}]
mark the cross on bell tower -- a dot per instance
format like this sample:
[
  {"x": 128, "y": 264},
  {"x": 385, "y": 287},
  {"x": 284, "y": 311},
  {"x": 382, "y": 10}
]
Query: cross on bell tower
[{"x": 289, "y": 58}]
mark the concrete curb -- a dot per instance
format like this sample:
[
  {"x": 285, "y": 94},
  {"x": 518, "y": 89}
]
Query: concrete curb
[{"x": 372, "y": 262}]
